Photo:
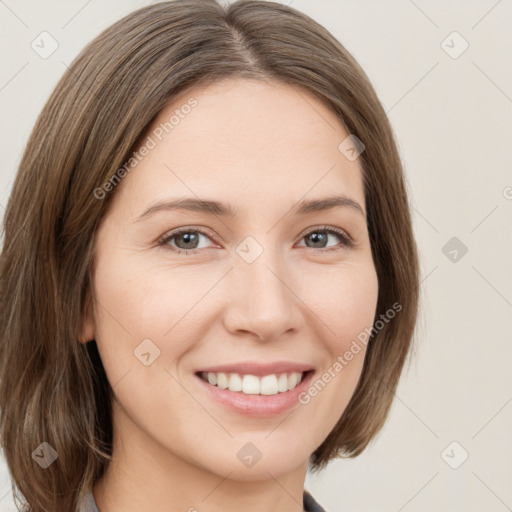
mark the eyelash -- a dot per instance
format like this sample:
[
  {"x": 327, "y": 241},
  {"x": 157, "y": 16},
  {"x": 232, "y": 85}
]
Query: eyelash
[{"x": 346, "y": 241}]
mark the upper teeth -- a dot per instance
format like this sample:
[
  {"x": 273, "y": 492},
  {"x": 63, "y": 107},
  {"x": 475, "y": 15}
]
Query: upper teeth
[{"x": 252, "y": 384}]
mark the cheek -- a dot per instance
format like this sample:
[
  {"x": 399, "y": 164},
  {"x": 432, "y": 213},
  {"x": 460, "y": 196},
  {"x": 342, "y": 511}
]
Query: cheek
[
  {"x": 135, "y": 298},
  {"x": 128, "y": 313},
  {"x": 143, "y": 307},
  {"x": 141, "y": 320},
  {"x": 345, "y": 300},
  {"x": 346, "y": 306}
]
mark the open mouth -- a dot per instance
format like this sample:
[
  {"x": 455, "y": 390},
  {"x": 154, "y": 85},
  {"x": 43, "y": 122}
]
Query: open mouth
[{"x": 272, "y": 384}]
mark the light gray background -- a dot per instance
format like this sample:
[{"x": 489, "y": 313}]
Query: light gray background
[{"x": 453, "y": 122}]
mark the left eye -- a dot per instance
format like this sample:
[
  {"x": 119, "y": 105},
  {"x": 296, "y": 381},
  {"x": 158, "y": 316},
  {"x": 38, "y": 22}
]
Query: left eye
[
  {"x": 187, "y": 240},
  {"x": 321, "y": 235}
]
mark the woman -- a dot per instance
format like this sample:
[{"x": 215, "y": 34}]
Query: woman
[{"x": 209, "y": 280}]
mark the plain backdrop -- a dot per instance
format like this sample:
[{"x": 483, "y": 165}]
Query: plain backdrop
[{"x": 442, "y": 71}]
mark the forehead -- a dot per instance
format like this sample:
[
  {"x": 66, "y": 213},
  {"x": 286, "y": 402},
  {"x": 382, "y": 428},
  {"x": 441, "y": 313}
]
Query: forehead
[{"x": 247, "y": 141}]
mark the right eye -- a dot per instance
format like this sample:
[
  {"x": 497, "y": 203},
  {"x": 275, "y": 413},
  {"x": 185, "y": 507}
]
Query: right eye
[{"x": 186, "y": 240}]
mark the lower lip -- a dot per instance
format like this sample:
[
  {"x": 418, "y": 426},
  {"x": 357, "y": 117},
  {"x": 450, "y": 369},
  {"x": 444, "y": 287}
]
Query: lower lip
[{"x": 257, "y": 405}]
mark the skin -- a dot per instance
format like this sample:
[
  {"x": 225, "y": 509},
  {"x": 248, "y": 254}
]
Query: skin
[{"x": 263, "y": 147}]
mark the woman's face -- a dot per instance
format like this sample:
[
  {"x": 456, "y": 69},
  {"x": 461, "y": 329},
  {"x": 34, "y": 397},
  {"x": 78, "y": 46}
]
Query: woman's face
[{"x": 271, "y": 284}]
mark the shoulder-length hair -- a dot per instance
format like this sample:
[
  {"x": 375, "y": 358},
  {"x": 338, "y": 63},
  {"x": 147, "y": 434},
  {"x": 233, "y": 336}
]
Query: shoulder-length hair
[{"x": 53, "y": 388}]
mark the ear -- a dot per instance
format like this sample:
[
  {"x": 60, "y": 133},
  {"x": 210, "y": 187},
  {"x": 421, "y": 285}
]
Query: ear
[{"x": 87, "y": 331}]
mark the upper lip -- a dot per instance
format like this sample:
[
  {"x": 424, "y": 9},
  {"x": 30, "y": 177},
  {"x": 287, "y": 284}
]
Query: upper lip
[{"x": 259, "y": 369}]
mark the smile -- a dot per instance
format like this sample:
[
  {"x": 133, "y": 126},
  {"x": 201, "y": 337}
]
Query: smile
[
  {"x": 257, "y": 396},
  {"x": 252, "y": 384}
]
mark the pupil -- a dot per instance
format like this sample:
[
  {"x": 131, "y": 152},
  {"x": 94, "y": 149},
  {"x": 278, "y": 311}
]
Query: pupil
[
  {"x": 316, "y": 237},
  {"x": 187, "y": 238}
]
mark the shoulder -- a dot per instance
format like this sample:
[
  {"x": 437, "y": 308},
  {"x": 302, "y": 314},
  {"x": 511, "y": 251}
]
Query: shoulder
[
  {"x": 310, "y": 505},
  {"x": 89, "y": 505}
]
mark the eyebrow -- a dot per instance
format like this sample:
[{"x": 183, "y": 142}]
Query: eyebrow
[{"x": 226, "y": 210}]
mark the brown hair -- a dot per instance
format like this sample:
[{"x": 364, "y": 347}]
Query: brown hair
[{"x": 52, "y": 388}]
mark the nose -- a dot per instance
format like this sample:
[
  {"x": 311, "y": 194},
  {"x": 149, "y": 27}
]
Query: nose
[{"x": 262, "y": 300}]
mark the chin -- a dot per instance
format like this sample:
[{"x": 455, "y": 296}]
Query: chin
[{"x": 251, "y": 461}]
